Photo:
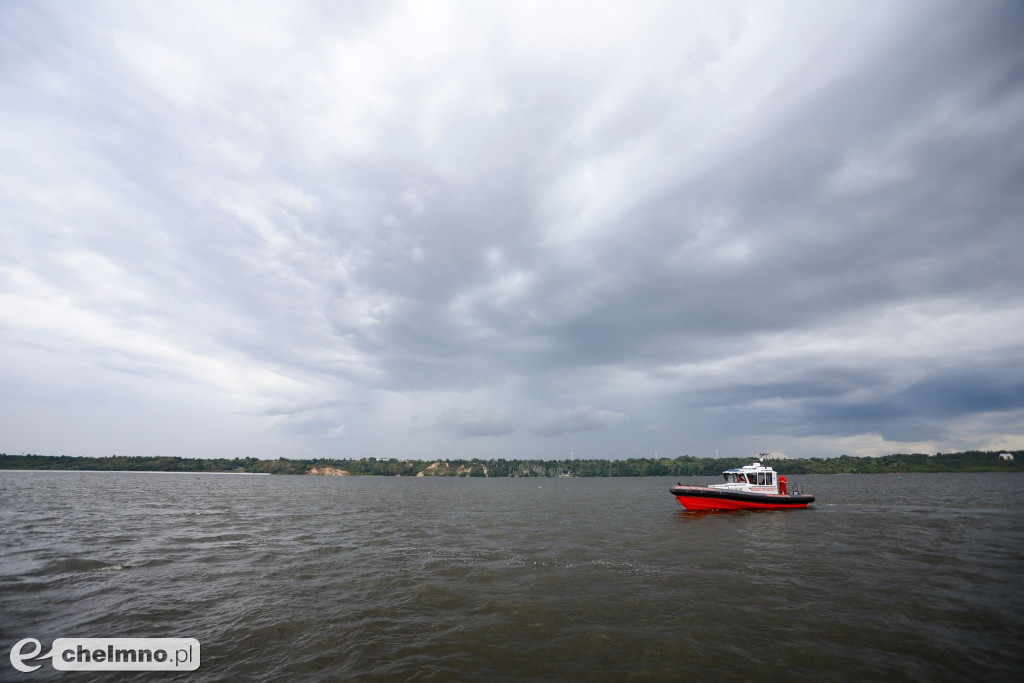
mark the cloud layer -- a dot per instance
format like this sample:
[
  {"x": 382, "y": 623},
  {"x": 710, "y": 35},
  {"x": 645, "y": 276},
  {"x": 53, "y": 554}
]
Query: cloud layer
[{"x": 511, "y": 230}]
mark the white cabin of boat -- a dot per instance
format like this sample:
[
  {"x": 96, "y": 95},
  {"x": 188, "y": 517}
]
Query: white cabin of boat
[{"x": 756, "y": 478}]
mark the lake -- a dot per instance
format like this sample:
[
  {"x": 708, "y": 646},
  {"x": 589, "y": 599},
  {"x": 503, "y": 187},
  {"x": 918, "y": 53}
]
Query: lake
[{"x": 362, "y": 578}]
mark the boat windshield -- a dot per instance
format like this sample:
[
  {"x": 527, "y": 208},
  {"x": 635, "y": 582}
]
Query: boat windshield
[{"x": 757, "y": 478}]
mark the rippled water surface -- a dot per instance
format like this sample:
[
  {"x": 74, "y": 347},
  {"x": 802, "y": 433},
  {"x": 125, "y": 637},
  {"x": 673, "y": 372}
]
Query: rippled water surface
[{"x": 359, "y": 578}]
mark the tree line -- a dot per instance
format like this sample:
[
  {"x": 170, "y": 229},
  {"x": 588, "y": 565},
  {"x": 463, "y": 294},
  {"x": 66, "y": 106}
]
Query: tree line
[{"x": 682, "y": 466}]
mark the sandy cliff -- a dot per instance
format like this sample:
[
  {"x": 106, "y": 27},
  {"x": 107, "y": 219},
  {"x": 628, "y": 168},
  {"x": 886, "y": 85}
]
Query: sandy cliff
[{"x": 329, "y": 471}]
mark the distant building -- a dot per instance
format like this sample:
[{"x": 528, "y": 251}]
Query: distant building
[{"x": 1006, "y": 456}]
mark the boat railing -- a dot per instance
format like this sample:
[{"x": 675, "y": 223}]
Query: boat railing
[{"x": 796, "y": 490}]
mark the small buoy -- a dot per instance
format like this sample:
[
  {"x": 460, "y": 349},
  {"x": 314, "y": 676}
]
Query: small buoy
[{"x": 197, "y": 477}]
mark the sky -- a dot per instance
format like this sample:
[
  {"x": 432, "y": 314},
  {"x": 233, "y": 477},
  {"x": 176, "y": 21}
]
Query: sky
[{"x": 519, "y": 229}]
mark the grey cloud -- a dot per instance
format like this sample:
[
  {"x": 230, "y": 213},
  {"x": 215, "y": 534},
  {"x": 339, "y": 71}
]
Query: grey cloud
[
  {"x": 467, "y": 424},
  {"x": 505, "y": 422},
  {"x": 572, "y": 420}
]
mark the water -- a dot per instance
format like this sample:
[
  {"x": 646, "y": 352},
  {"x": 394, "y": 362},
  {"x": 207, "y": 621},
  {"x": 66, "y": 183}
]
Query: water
[{"x": 327, "y": 578}]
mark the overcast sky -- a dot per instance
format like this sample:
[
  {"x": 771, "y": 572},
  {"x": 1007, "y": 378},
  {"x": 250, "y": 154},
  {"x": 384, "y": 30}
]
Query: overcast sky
[{"x": 523, "y": 229}]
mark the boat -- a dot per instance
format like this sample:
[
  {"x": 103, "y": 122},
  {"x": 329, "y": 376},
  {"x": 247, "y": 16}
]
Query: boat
[{"x": 751, "y": 487}]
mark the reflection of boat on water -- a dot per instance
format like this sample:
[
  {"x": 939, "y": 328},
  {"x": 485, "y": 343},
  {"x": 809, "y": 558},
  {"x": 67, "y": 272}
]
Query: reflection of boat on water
[{"x": 750, "y": 487}]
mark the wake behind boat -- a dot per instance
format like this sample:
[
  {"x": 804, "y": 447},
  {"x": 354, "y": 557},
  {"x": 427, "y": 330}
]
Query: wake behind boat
[{"x": 750, "y": 487}]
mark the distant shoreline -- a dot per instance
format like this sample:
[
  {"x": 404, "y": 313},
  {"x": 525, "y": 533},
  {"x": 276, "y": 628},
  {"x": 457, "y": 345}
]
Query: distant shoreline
[{"x": 681, "y": 466}]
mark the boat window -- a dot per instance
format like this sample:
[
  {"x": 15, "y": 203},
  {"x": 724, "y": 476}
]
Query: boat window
[
  {"x": 768, "y": 478},
  {"x": 730, "y": 478},
  {"x": 741, "y": 477},
  {"x": 760, "y": 478}
]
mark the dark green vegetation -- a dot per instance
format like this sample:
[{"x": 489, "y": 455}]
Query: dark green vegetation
[{"x": 685, "y": 465}]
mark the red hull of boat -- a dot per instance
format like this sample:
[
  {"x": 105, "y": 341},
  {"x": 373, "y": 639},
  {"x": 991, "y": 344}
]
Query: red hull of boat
[
  {"x": 691, "y": 503},
  {"x": 697, "y": 498}
]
